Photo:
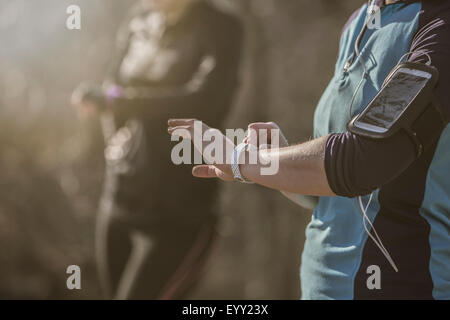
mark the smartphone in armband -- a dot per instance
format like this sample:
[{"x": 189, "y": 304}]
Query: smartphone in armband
[{"x": 405, "y": 100}]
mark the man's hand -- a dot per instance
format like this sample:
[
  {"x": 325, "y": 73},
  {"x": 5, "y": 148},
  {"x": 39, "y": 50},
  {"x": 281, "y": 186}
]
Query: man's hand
[
  {"x": 185, "y": 128},
  {"x": 260, "y": 129},
  {"x": 301, "y": 167}
]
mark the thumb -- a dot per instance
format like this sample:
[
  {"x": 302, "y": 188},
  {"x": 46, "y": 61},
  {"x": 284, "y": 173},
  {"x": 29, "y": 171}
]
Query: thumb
[{"x": 204, "y": 171}]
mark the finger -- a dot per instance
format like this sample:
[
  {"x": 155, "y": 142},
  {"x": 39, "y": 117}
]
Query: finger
[
  {"x": 204, "y": 171},
  {"x": 282, "y": 139},
  {"x": 184, "y": 132},
  {"x": 263, "y": 125},
  {"x": 252, "y": 134},
  {"x": 261, "y": 131},
  {"x": 193, "y": 125},
  {"x": 181, "y": 122},
  {"x": 268, "y": 127},
  {"x": 249, "y": 139},
  {"x": 172, "y": 129}
]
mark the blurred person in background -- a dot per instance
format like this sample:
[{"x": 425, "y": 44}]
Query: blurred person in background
[{"x": 154, "y": 229}]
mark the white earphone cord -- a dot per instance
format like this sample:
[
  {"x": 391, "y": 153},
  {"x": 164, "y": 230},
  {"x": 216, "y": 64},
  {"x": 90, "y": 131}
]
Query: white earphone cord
[
  {"x": 376, "y": 240},
  {"x": 420, "y": 51}
]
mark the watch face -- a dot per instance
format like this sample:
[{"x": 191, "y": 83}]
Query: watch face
[{"x": 393, "y": 100}]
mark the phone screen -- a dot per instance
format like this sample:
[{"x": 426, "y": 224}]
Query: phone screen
[{"x": 394, "y": 99}]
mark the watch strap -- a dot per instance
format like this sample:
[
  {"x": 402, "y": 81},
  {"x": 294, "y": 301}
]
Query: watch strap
[{"x": 236, "y": 162}]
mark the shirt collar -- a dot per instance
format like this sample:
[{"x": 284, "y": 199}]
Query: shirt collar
[{"x": 380, "y": 3}]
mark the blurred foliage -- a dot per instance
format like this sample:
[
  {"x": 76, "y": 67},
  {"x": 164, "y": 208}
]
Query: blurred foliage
[{"x": 51, "y": 164}]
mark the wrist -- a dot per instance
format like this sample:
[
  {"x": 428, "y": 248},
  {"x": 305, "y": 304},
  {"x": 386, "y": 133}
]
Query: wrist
[{"x": 263, "y": 162}]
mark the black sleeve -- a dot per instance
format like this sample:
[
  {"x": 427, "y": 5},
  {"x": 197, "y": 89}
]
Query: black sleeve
[{"x": 357, "y": 166}]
